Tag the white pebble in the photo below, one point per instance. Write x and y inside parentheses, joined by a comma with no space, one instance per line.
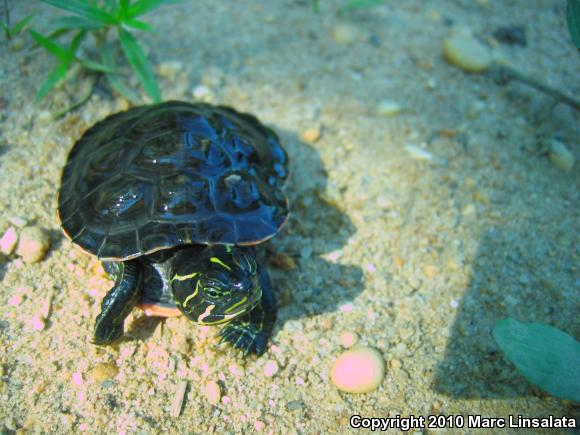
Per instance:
(33,244)
(213,393)
(359,370)
(464,51)
(418,153)
(560,156)
(270,368)
(203,93)
(345,34)
(388,108)
(38,323)
(8,241)
(16,300)
(348,339)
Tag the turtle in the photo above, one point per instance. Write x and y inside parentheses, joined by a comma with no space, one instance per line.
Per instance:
(175,200)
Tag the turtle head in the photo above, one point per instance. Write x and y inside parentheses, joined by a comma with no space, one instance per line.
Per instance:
(215,284)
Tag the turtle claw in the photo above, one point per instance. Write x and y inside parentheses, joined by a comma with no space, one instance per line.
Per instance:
(242,336)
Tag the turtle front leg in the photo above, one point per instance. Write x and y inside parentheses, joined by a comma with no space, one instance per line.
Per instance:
(119,301)
(251,332)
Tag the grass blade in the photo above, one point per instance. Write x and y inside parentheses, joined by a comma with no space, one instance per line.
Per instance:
(113,78)
(73,22)
(138,24)
(140,65)
(359,4)
(83,9)
(141,7)
(76,41)
(52,47)
(19,26)
(573,18)
(58,73)
(95,66)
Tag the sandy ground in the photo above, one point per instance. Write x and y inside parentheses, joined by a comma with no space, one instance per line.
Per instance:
(418,257)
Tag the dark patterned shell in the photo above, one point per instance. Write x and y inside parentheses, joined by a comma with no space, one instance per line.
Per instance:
(175,173)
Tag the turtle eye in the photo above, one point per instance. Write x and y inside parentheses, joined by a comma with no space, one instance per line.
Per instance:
(212,293)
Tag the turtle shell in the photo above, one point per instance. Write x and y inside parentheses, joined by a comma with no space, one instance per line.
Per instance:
(155,177)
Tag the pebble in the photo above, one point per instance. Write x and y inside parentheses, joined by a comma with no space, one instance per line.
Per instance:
(212,392)
(169,69)
(311,135)
(33,244)
(358,370)
(464,51)
(270,368)
(103,372)
(345,34)
(8,241)
(38,322)
(560,156)
(348,339)
(203,93)
(388,108)
(178,399)
(418,153)
(283,261)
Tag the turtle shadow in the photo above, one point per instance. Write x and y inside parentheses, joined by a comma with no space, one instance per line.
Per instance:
(310,285)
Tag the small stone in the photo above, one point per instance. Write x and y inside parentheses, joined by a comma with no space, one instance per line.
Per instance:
(259,425)
(560,156)
(348,339)
(103,372)
(270,368)
(38,323)
(8,241)
(388,108)
(430,270)
(77,379)
(283,261)
(345,34)
(33,244)
(212,392)
(418,153)
(468,210)
(464,51)
(16,300)
(203,93)
(358,370)
(169,69)
(17,221)
(178,399)
(311,135)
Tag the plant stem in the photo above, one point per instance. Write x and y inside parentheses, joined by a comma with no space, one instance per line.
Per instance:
(505,73)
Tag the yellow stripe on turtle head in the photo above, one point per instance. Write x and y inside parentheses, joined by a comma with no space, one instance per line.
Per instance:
(206,313)
(221,263)
(183,277)
(237,304)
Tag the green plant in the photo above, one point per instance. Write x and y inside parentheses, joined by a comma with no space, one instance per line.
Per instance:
(100,18)
(573,19)
(359,4)
(546,356)
(9,30)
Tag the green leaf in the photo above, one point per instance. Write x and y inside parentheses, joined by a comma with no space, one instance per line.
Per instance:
(58,73)
(113,78)
(141,7)
(52,47)
(139,63)
(76,41)
(83,9)
(546,356)
(72,22)
(138,24)
(95,66)
(19,26)
(360,4)
(573,18)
